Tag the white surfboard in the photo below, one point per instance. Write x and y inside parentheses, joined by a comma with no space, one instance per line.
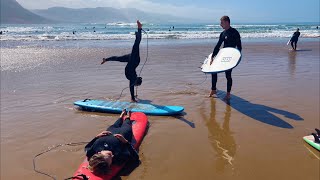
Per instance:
(289,41)
(226,59)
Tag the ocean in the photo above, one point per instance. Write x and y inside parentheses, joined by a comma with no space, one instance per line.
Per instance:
(125,31)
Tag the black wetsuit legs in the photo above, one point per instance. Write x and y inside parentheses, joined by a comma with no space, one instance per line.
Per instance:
(229,80)
(122,127)
(124,58)
(294,45)
(133,63)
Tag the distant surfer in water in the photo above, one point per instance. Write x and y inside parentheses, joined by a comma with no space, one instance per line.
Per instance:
(294,39)
(133,61)
(231,38)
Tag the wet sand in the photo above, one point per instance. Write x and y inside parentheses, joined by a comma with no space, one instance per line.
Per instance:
(258,135)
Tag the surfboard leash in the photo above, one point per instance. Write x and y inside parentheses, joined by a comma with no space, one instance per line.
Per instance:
(145,60)
(202,81)
(50,149)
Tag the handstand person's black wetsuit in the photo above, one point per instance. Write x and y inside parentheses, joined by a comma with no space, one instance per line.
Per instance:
(133,61)
(231,38)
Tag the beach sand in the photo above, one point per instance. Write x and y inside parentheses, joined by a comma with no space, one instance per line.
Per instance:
(258,135)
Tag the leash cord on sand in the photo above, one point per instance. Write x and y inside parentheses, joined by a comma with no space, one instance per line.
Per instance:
(202,81)
(50,149)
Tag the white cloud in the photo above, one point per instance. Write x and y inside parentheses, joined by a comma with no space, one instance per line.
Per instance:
(144,5)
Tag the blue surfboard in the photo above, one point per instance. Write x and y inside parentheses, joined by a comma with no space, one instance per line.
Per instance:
(118,106)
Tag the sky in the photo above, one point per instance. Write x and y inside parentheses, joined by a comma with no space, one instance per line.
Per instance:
(239,11)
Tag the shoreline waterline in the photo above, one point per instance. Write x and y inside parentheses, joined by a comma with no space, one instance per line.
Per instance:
(126,43)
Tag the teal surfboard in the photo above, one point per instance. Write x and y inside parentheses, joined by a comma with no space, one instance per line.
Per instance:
(310,140)
(118,106)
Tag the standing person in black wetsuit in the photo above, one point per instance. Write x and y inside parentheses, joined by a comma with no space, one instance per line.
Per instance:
(231,38)
(133,61)
(294,39)
(112,146)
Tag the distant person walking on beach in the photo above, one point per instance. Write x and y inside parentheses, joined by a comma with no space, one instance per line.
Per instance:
(231,38)
(294,39)
(133,61)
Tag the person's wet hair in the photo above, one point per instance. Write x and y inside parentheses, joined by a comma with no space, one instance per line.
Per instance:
(99,165)
(225,18)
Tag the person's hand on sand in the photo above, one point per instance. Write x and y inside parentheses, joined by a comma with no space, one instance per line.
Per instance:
(104,60)
(139,24)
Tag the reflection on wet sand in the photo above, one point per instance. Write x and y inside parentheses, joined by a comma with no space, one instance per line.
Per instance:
(312,151)
(221,137)
(292,62)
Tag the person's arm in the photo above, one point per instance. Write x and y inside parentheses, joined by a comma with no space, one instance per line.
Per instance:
(134,156)
(88,148)
(132,83)
(239,45)
(133,153)
(217,47)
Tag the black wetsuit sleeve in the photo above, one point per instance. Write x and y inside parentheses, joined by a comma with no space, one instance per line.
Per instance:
(88,148)
(127,153)
(239,45)
(132,82)
(217,48)
(124,58)
(133,153)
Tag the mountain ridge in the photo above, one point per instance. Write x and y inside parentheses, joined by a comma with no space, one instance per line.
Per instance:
(13,13)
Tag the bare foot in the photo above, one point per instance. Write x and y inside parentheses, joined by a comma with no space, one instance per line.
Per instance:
(123,113)
(104,60)
(213,93)
(128,115)
(227,97)
(134,100)
(139,24)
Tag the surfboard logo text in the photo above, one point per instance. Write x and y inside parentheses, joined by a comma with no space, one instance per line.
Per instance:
(226,59)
